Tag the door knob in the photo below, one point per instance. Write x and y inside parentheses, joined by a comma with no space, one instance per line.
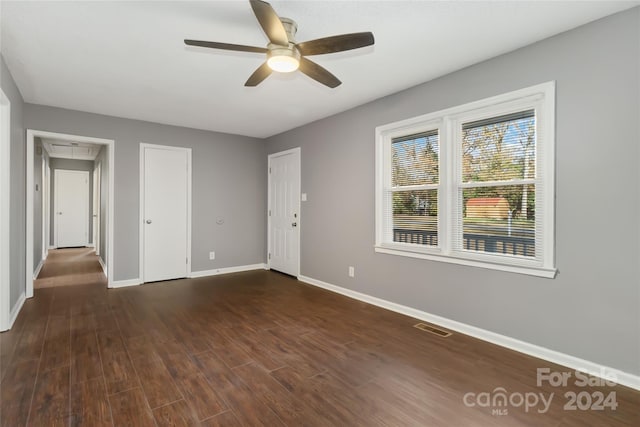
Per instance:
(294,224)
(148,221)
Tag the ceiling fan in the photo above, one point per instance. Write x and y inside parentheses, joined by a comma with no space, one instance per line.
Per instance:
(284,54)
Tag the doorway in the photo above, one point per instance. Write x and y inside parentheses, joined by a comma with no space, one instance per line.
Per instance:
(165,212)
(284,212)
(58,151)
(71,216)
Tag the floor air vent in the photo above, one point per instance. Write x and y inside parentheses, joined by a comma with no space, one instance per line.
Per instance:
(436,331)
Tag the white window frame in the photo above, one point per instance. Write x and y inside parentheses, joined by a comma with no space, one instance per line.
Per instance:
(540,98)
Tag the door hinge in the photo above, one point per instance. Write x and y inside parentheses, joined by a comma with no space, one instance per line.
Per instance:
(269,255)
(186,260)
(269,212)
(269,170)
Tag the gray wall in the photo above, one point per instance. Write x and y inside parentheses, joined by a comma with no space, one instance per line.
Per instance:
(591,310)
(72,165)
(228,182)
(18,204)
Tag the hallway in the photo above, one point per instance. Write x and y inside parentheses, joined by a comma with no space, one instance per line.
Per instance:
(70,267)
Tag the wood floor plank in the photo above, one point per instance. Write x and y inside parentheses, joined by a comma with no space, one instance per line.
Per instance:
(156,381)
(247,407)
(51,397)
(229,351)
(201,396)
(290,409)
(313,398)
(176,414)
(141,347)
(119,373)
(129,408)
(110,342)
(16,392)
(56,353)
(225,419)
(86,363)
(90,404)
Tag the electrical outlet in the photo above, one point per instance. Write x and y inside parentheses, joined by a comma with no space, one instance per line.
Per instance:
(352,271)
(212,255)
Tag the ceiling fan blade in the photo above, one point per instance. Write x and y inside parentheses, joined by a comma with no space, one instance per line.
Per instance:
(336,43)
(259,75)
(226,46)
(318,73)
(270,22)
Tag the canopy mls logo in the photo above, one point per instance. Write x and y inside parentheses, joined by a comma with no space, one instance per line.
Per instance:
(499,400)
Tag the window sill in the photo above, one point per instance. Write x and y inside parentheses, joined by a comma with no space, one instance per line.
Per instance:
(548,273)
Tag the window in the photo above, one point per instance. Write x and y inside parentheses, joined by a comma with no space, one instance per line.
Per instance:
(473,184)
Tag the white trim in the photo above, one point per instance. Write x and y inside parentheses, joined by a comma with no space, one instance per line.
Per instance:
(125,283)
(38,268)
(531,271)
(188,151)
(90,245)
(227,270)
(15,311)
(52,247)
(57,173)
(298,152)
(44,190)
(5,211)
(623,378)
(104,267)
(449,121)
(110,143)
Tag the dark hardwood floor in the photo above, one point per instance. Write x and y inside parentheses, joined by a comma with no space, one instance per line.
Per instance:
(260,348)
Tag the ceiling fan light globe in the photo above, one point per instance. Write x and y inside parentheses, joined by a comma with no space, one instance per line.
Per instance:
(283,63)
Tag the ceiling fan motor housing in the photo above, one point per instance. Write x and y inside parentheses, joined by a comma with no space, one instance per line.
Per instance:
(290,27)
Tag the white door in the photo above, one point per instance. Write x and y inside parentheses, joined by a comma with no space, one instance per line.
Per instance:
(284,211)
(71,208)
(166,200)
(97,175)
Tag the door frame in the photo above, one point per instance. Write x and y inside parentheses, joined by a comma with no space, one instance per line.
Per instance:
(56,173)
(97,197)
(46,206)
(141,227)
(5,211)
(110,147)
(296,151)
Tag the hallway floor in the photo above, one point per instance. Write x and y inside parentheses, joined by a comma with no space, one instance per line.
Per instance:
(70,267)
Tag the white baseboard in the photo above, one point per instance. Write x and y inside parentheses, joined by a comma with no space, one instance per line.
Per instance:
(15,310)
(126,283)
(38,268)
(623,378)
(194,274)
(51,247)
(91,245)
(227,270)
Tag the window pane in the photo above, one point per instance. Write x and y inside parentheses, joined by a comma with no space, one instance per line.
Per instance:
(500,219)
(415,217)
(415,159)
(499,149)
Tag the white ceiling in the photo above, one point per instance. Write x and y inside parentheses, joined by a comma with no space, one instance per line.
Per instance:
(128,59)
